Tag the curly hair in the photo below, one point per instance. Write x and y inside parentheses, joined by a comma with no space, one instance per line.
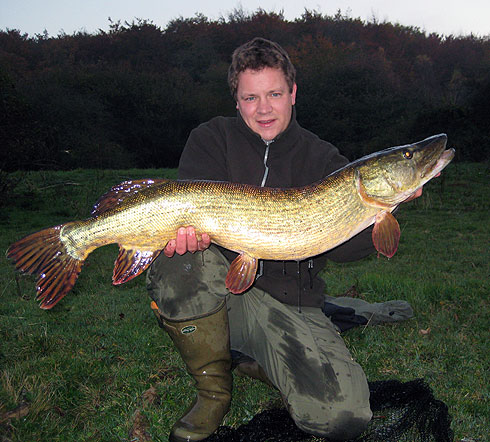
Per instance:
(258,54)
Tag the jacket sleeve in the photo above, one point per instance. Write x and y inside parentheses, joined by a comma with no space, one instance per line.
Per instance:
(204,154)
(356,248)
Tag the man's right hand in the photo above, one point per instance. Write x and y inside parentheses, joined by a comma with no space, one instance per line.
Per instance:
(186,241)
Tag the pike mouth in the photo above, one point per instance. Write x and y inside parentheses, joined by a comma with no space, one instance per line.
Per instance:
(444,159)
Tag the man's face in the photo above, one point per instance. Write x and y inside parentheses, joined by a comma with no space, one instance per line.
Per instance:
(264,101)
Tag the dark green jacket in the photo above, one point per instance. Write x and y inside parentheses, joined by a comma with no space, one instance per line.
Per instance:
(226,149)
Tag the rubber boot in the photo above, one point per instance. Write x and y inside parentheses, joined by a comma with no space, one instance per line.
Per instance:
(253,370)
(204,345)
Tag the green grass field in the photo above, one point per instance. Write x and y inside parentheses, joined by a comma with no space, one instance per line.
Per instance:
(98,368)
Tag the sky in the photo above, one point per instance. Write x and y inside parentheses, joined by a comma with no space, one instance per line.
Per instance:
(445,17)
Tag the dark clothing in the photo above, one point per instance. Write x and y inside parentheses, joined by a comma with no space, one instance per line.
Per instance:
(226,149)
(299,350)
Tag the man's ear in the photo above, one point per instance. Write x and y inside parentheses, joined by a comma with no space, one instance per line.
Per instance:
(293,94)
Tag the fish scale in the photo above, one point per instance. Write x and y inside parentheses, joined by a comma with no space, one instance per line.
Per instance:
(257,222)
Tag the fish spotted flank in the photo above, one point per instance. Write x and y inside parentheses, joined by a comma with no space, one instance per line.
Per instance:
(257,222)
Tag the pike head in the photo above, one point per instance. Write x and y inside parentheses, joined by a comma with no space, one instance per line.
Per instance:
(388,177)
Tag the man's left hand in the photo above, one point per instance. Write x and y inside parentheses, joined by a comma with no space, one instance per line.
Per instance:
(418,193)
(413,196)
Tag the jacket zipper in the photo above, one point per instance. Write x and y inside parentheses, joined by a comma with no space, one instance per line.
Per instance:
(266,157)
(262,184)
(261,263)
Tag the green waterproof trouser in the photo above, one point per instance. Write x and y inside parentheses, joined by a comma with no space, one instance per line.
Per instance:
(302,353)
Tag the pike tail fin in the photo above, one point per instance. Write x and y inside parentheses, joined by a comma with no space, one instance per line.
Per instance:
(43,254)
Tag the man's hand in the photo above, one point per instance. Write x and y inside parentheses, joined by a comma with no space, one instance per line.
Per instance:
(418,193)
(415,195)
(186,241)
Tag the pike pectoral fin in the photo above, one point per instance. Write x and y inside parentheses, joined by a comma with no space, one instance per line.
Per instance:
(130,263)
(386,234)
(241,274)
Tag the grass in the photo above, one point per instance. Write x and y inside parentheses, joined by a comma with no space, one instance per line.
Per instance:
(80,371)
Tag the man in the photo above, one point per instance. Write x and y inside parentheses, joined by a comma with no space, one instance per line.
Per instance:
(278,325)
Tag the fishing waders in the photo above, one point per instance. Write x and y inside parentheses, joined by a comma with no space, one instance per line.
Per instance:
(204,345)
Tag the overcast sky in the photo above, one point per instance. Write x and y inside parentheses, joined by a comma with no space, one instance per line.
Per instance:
(456,17)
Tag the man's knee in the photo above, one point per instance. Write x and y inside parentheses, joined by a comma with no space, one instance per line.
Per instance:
(342,416)
(188,285)
(333,423)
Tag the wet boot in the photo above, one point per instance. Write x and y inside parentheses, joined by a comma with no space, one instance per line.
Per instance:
(244,366)
(204,345)
(253,370)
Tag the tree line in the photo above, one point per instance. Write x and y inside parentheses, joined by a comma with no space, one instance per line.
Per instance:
(129,96)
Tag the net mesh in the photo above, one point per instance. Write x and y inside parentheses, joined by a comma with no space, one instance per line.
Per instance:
(402,412)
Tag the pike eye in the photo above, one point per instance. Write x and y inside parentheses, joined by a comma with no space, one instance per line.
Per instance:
(407,154)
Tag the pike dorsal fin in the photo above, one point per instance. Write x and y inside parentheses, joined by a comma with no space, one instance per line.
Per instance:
(386,234)
(130,263)
(241,274)
(120,192)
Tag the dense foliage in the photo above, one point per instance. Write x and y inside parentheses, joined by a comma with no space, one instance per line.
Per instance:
(129,96)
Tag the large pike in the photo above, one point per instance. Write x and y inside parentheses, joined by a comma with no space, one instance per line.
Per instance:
(258,223)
